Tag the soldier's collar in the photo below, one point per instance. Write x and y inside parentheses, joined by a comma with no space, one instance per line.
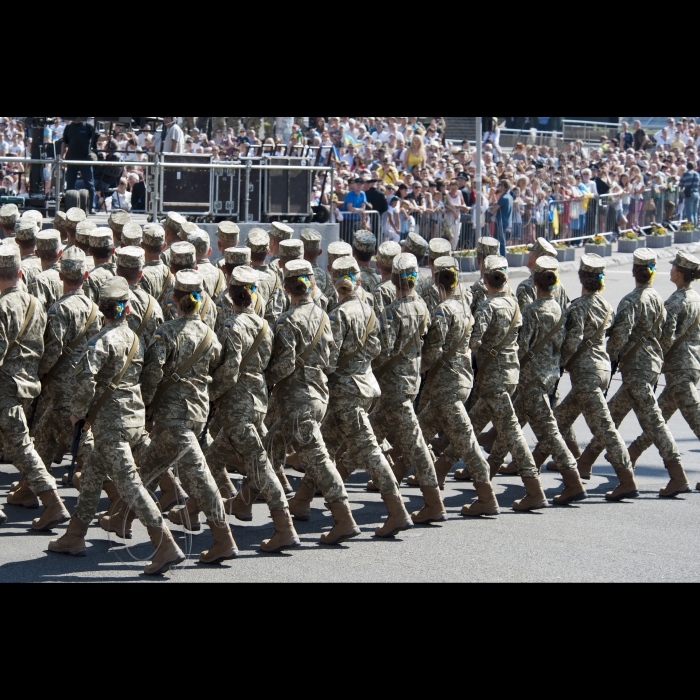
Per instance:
(10,290)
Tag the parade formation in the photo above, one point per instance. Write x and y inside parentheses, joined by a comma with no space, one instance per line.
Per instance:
(163,373)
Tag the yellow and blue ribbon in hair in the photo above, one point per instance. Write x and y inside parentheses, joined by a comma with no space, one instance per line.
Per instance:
(556,283)
(349,276)
(412,275)
(305,280)
(652,269)
(121,305)
(196,297)
(601,277)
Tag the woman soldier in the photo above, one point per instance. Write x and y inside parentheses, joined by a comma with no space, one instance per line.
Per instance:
(540,342)
(112,367)
(495,343)
(680,342)
(635,346)
(301,357)
(175,382)
(240,396)
(584,356)
(447,363)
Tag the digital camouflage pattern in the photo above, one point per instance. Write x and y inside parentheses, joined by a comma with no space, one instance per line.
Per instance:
(31,269)
(214,277)
(155,279)
(98,277)
(323,281)
(370,280)
(138,301)
(47,287)
(207,314)
(527,294)
(682,310)
(384,295)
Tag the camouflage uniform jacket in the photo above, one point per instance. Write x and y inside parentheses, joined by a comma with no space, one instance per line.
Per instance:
(527,294)
(165,255)
(278,301)
(214,277)
(682,310)
(479,295)
(449,323)
(323,281)
(423,285)
(105,357)
(540,318)
(31,269)
(155,276)
(491,323)
(139,305)
(400,327)
(635,319)
(370,280)
(224,310)
(67,320)
(98,277)
(208,313)
(384,295)
(47,287)
(586,316)
(240,332)
(349,324)
(295,331)
(19,364)
(174,342)
(267,285)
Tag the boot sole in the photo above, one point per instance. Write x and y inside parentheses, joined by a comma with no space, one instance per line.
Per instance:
(574,499)
(78,554)
(342,539)
(396,531)
(624,497)
(481,515)
(166,567)
(27,505)
(283,548)
(677,493)
(220,560)
(443,519)
(52,525)
(122,536)
(531,509)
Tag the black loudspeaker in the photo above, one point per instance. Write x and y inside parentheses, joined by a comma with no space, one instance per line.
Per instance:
(186,190)
(288,191)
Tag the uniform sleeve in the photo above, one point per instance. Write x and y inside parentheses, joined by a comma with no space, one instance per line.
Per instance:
(621,332)
(389,332)
(434,344)
(339,328)
(670,327)
(284,355)
(482,321)
(528,333)
(154,362)
(54,339)
(86,372)
(226,376)
(4,341)
(525,295)
(575,328)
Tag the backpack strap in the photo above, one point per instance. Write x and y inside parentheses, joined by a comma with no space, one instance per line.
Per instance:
(642,341)
(542,344)
(590,343)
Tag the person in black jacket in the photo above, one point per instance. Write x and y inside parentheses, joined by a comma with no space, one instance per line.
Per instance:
(375,197)
(138,192)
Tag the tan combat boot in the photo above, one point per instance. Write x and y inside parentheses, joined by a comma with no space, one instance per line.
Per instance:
(285,537)
(187,516)
(60,453)
(293,462)
(73,541)
(241,507)
(463,475)
(443,469)
(495,466)
(573,448)
(23,497)
(398,520)
(400,469)
(345,526)
(513,469)
(635,453)
(171,493)
(344,473)
(486,503)
(585,463)
(167,555)
(300,505)
(488,440)
(224,548)
(286,486)
(55,512)
(121,523)
(679,481)
(226,487)
(535,498)
(573,489)
(434,509)
(627,490)
(110,488)
(440,444)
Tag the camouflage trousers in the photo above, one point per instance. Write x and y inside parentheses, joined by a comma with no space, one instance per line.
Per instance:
(19,447)
(347,421)
(532,405)
(54,427)
(394,415)
(113,456)
(586,397)
(240,432)
(176,444)
(299,427)
(496,406)
(637,394)
(680,394)
(446,412)
(274,412)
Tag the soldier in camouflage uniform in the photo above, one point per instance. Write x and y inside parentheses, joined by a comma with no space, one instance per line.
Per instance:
(527,292)
(228,235)
(180,408)
(543,319)
(82,241)
(132,236)
(680,343)
(102,251)
(25,237)
(277,303)
(635,345)
(337,250)
(402,327)
(214,276)
(73,218)
(385,292)
(240,395)
(156,274)
(118,219)
(312,240)
(118,427)
(21,348)
(439,248)
(9,216)
(171,226)
(234,258)
(301,357)
(364,248)
(583,355)
(418,246)
(47,286)
(447,363)
(269,284)
(353,389)
(59,224)
(494,341)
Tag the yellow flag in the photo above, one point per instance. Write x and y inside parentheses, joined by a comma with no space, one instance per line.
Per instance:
(555,222)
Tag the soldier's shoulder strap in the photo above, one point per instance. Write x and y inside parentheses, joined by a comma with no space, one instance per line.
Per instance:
(221,284)
(254,348)
(542,344)
(147,316)
(165,286)
(495,352)
(588,344)
(27,318)
(345,361)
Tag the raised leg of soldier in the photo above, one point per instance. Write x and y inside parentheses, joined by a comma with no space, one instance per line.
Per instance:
(499,449)
(479,418)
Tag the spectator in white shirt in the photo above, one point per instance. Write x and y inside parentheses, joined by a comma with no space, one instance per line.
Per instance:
(121,199)
(174,136)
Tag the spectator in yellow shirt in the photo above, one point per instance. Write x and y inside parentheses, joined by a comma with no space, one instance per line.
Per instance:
(388,172)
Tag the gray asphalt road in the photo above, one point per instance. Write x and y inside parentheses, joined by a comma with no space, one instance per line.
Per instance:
(646,540)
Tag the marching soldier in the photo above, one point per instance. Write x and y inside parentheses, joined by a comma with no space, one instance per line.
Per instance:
(234,258)
(312,240)
(527,290)
(214,276)
(102,251)
(278,233)
(47,286)
(171,227)
(9,216)
(364,248)
(228,235)
(439,248)
(59,224)
(336,251)
(385,292)
(418,246)
(278,301)
(82,241)
(118,219)
(132,236)
(25,238)
(269,284)
(156,274)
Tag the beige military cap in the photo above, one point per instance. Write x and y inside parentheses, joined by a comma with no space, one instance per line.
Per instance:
(153,234)
(237,256)
(686,261)
(488,246)
(189,281)
(228,232)
(244,276)
(132,235)
(83,231)
(35,216)
(9,216)
(417,245)
(311,238)
(495,262)
(73,217)
(10,256)
(345,266)
(118,220)
(186,229)
(547,264)
(258,240)
(365,242)
(182,254)
(644,256)
(281,232)
(593,264)
(115,289)
(25,230)
(298,268)
(60,220)
(49,240)
(544,247)
(387,253)
(200,240)
(291,249)
(131,257)
(173,222)
(405,264)
(73,266)
(440,248)
(446,263)
(101,238)
(338,250)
